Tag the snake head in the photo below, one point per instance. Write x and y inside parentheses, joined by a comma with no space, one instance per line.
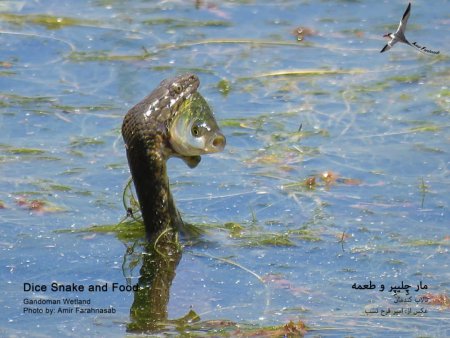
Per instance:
(180,88)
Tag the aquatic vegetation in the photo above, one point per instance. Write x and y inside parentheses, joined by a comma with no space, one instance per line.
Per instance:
(426,242)
(426,128)
(435,150)
(127,231)
(46,185)
(290,329)
(7,73)
(107,56)
(224,87)
(72,171)
(411,78)
(254,42)
(81,142)
(308,72)
(173,23)
(266,239)
(236,230)
(15,154)
(405,97)
(306,234)
(46,20)
(191,323)
(379,86)
(444,93)
(423,190)
(23,151)
(8,100)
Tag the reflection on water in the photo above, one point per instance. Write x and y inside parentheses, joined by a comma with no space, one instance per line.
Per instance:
(149,312)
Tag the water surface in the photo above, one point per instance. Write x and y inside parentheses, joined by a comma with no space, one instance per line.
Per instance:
(375,134)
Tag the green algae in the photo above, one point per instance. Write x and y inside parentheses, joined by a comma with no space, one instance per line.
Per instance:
(17,153)
(426,128)
(7,73)
(427,242)
(126,231)
(81,142)
(379,86)
(267,239)
(8,100)
(59,187)
(412,78)
(186,23)
(224,87)
(24,151)
(50,22)
(424,148)
(108,56)
(73,171)
(233,123)
(306,72)
(306,235)
(445,92)
(235,229)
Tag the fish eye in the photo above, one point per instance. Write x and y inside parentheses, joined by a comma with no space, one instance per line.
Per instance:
(197,130)
(177,88)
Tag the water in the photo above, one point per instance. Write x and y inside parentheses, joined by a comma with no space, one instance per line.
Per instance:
(377,129)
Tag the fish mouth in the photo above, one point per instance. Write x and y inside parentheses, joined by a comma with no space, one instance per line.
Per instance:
(216,143)
(205,145)
(219,142)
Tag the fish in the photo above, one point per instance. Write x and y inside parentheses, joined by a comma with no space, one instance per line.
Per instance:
(194,131)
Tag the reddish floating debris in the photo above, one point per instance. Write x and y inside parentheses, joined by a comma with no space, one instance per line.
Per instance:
(329,177)
(31,205)
(351,181)
(439,299)
(21,201)
(296,329)
(301,32)
(5,64)
(310,182)
(37,206)
(343,236)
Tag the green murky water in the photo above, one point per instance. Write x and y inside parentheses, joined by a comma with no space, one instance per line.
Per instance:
(335,175)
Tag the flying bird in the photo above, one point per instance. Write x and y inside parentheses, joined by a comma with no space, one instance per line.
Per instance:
(399,35)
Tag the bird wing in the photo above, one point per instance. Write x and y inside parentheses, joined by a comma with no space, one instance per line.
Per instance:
(404,20)
(385,48)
